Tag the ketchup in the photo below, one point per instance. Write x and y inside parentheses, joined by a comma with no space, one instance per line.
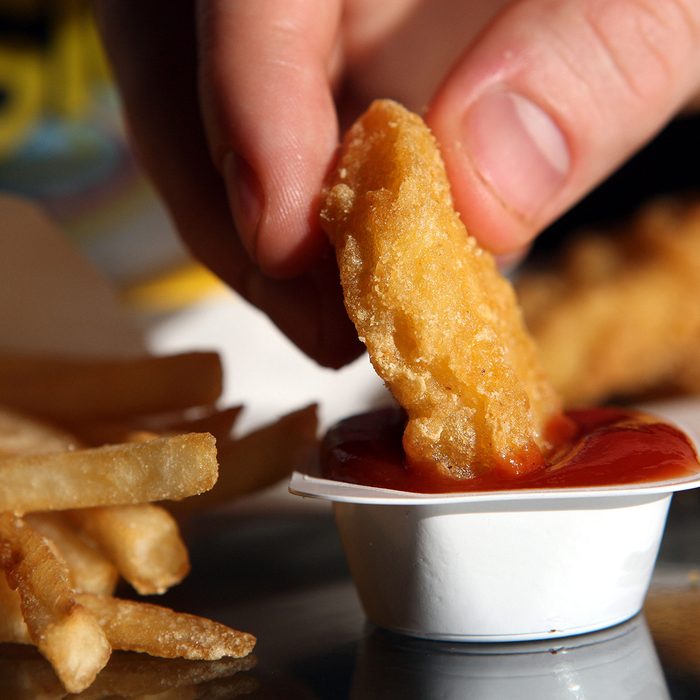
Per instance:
(608,446)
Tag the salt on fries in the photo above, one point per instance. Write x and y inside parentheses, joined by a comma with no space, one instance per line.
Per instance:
(90,570)
(161,469)
(128,625)
(142,540)
(441,325)
(73,519)
(135,626)
(67,634)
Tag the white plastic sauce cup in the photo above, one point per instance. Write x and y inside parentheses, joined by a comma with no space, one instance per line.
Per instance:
(503,565)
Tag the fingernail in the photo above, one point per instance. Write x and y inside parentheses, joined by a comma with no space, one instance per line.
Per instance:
(518,150)
(245,199)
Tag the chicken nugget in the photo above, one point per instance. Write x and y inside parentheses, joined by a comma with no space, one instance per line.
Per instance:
(442,326)
(617,316)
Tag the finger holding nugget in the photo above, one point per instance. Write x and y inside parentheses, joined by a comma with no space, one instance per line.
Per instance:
(551,98)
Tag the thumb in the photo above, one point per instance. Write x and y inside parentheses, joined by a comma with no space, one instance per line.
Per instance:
(551,98)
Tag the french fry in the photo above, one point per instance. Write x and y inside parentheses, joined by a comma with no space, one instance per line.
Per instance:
(140,436)
(159,631)
(20,434)
(65,632)
(218,422)
(66,389)
(12,625)
(259,459)
(90,570)
(90,516)
(142,540)
(161,469)
(267,455)
(197,638)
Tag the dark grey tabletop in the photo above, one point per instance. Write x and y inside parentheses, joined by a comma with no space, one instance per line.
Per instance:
(273,566)
(279,572)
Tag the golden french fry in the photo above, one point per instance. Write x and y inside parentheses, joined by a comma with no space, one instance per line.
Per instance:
(12,625)
(142,540)
(69,389)
(65,632)
(218,422)
(441,325)
(159,631)
(56,568)
(90,570)
(161,469)
(259,459)
(140,436)
(20,434)
(99,433)
(265,456)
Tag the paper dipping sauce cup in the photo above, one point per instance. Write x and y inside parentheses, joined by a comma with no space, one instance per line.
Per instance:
(501,565)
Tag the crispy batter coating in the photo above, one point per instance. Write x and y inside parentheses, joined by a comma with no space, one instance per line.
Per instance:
(441,325)
(619,315)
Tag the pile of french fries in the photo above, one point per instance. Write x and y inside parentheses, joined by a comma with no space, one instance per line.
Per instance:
(96,458)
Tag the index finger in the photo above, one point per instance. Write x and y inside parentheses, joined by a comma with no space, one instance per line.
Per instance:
(264,77)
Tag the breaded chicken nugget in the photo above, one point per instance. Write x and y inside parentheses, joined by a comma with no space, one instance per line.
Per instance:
(441,325)
(619,315)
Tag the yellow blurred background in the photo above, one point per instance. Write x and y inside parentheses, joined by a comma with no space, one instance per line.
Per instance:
(62,145)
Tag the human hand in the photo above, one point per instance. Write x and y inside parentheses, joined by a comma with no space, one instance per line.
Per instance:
(236,118)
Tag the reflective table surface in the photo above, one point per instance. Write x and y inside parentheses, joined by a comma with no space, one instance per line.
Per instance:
(274,567)
(280,573)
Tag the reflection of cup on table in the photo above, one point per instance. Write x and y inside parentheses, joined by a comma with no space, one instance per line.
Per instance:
(619,663)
